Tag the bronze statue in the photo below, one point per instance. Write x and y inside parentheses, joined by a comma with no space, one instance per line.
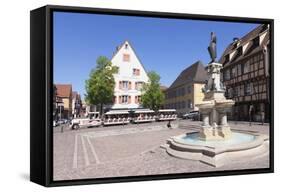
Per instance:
(213,47)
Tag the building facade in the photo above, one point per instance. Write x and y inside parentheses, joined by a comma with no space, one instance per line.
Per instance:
(76,104)
(130,78)
(186,91)
(55,99)
(64,93)
(246,63)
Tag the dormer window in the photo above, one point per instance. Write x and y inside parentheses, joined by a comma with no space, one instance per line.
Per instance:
(226,58)
(264,27)
(126,46)
(256,41)
(236,42)
(239,51)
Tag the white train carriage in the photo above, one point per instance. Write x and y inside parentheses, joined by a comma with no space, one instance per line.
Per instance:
(117,117)
(93,120)
(166,115)
(143,115)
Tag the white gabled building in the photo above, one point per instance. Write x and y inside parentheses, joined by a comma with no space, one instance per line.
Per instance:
(129,79)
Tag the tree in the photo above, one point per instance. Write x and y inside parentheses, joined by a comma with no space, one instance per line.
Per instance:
(152,96)
(100,85)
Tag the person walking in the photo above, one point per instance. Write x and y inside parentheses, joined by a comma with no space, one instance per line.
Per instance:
(262,117)
(236,115)
(169,124)
(251,108)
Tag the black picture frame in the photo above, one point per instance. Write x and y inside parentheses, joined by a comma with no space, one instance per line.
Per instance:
(41,89)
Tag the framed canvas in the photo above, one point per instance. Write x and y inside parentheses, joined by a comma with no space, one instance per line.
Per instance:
(122,95)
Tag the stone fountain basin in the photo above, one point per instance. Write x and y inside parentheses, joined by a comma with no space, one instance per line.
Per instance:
(206,105)
(220,154)
(227,103)
(224,103)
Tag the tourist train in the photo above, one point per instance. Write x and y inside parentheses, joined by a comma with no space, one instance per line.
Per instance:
(120,117)
(123,117)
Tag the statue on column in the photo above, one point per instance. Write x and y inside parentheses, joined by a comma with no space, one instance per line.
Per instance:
(213,47)
(214,105)
(214,83)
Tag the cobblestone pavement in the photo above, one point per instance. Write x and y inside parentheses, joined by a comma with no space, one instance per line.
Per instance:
(130,150)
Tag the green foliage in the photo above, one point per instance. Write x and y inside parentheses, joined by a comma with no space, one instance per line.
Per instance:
(100,85)
(152,96)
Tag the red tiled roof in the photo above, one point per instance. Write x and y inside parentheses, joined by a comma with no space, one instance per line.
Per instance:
(64,90)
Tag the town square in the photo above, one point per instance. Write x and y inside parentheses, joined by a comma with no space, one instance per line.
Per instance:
(134,150)
(114,115)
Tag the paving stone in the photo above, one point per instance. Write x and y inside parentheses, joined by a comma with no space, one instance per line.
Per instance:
(133,150)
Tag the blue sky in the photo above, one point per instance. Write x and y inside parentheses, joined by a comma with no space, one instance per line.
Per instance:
(166,46)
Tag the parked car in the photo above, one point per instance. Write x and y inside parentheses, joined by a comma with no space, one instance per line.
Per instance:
(194,115)
(84,122)
(62,121)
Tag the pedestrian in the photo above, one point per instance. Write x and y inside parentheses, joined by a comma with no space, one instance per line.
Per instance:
(169,124)
(250,114)
(61,129)
(262,117)
(236,115)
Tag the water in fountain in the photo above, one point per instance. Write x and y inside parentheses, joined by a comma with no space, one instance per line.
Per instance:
(237,138)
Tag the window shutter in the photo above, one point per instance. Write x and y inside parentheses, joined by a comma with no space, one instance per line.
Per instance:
(136,99)
(129,99)
(120,84)
(130,85)
(120,99)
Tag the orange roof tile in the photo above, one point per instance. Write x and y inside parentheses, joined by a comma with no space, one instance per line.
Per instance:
(64,90)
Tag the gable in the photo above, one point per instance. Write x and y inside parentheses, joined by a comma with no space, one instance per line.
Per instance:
(127,61)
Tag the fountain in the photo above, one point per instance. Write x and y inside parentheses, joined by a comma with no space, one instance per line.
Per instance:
(216,143)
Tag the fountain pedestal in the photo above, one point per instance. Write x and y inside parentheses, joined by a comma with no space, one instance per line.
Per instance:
(224,129)
(214,107)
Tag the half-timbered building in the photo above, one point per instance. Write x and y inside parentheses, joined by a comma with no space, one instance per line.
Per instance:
(246,63)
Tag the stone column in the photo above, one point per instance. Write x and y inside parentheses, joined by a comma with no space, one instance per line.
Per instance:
(224,129)
(223,119)
(205,116)
(214,117)
(206,131)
